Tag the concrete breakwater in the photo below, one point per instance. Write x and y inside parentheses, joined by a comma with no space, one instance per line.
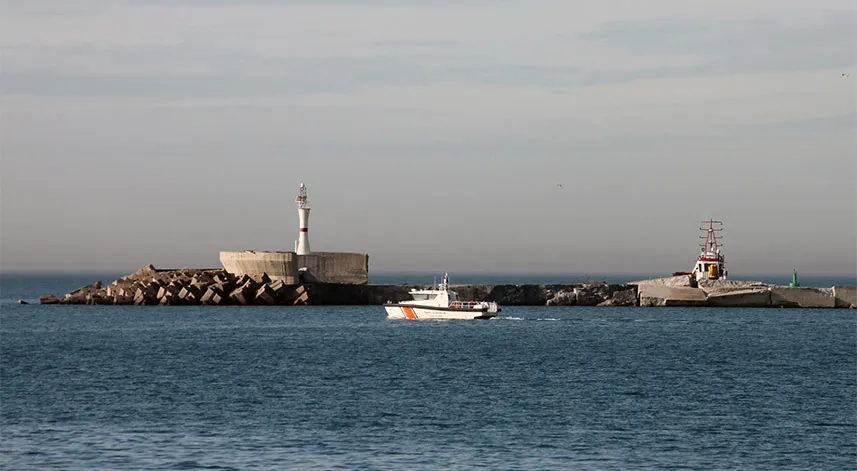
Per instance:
(188,286)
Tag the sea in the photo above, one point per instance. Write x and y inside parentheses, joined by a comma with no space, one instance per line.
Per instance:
(343,388)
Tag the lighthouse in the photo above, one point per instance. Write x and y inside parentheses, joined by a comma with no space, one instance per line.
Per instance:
(302,244)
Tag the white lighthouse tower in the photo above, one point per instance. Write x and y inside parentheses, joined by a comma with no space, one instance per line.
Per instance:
(302,244)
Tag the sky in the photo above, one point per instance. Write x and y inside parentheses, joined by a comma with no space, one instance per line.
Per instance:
(432,135)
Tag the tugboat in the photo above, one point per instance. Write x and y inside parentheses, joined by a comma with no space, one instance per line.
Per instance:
(711,264)
(440,303)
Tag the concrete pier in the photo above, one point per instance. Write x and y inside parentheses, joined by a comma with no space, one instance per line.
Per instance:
(291,268)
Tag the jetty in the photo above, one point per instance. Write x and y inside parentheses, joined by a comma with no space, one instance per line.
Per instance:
(150,286)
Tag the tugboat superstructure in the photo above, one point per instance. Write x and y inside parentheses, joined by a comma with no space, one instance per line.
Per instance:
(711,264)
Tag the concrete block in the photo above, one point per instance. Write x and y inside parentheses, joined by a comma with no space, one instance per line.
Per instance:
(242,295)
(98,298)
(123,299)
(845,296)
(662,295)
(167,295)
(261,279)
(302,298)
(225,287)
(213,295)
(740,298)
(789,296)
(189,294)
(223,278)
(147,290)
(48,299)
(265,295)
(201,279)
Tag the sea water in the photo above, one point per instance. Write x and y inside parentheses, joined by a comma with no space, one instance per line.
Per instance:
(125,387)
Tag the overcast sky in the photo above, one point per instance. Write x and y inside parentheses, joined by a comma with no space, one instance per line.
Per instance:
(430,134)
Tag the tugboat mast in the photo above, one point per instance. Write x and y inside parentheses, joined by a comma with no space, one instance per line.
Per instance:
(711,245)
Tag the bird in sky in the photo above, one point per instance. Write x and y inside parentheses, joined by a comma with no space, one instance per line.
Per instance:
(559,185)
(845,75)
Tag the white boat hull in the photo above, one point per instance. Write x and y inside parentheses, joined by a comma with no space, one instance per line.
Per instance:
(414,312)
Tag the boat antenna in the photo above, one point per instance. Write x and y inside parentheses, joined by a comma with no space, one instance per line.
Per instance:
(712,239)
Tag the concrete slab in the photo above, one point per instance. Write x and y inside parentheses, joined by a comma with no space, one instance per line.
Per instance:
(740,298)
(845,296)
(48,299)
(661,295)
(680,281)
(792,296)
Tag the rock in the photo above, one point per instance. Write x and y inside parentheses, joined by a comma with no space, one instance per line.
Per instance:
(589,296)
(845,296)
(48,299)
(21,301)
(518,295)
(563,298)
(625,297)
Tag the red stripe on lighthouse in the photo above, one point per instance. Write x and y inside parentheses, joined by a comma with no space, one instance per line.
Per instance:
(304,229)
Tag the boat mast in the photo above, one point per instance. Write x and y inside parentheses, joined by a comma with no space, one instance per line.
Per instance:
(711,244)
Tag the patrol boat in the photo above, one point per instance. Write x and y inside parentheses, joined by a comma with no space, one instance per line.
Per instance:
(440,303)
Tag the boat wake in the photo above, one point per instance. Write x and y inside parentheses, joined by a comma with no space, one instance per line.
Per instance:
(513,318)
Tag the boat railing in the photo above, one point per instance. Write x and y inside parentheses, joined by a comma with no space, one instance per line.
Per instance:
(466,304)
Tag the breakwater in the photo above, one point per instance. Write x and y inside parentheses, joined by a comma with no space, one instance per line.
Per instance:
(189,286)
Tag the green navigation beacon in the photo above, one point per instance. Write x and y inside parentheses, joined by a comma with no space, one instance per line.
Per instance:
(794,279)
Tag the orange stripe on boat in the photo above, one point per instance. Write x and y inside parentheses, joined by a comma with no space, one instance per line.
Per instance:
(409,312)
